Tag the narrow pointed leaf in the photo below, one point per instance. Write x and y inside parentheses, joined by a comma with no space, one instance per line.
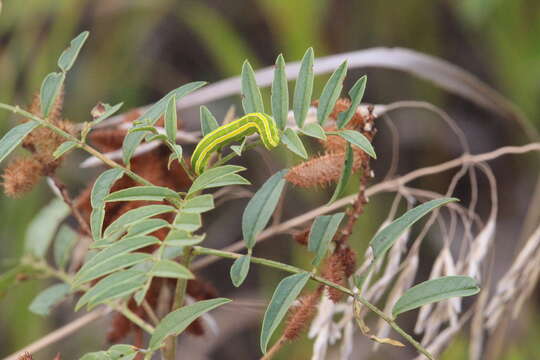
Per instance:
(68,57)
(321,234)
(356,94)
(148,193)
(100,190)
(188,221)
(50,89)
(208,121)
(292,141)
(136,215)
(303,88)
(331,92)
(228,180)
(132,140)
(358,139)
(112,287)
(48,298)
(435,290)
(110,255)
(199,204)
(251,95)
(280,94)
(171,120)
(345,174)
(314,130)
(240,269)
(177,321)
(146,227)
(261,206)
(170,269)
(115,264)
(14,136)
(211,177)
(64,148)
(181,238)
(103,186)
(286,292)
(384,239)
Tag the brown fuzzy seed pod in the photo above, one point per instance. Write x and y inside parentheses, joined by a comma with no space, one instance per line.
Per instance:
(21,175)
(301,315)
(322,170)
(334,272)
(347,257)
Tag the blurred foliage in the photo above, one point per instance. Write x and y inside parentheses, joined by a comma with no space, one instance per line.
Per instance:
(139,49)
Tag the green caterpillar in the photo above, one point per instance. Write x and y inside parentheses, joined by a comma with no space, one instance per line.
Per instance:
(234,131)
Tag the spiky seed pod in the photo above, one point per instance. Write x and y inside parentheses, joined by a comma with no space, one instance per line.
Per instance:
(300,316)
(347,257)
(322,170)
(21,175)
(334,271)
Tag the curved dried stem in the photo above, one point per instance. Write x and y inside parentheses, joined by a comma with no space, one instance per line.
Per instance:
(389,185)
(61,333)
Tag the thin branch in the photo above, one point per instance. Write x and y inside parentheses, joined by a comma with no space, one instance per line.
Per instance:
(69,202)
(61,333)
(375,189)
(440,72)
(80,144)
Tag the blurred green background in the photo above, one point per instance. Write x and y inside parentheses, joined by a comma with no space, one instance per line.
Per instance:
(138,50)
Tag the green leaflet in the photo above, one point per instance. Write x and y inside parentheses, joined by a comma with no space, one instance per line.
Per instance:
(321,234)
(177,321)
(435,290)
(240,269)
(384,239)
(251,95)
(303,88)
(280,94)
(14,136)
(286,292)
(330,93)
(261,206)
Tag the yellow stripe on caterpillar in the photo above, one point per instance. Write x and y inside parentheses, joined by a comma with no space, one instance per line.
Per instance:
(234,131)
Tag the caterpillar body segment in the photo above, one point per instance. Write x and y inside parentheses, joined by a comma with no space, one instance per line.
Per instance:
(236,130)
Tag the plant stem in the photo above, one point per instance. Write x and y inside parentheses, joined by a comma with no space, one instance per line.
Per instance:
(80,144)
(198,250)
(169,351)
(233,154)
(66,278)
